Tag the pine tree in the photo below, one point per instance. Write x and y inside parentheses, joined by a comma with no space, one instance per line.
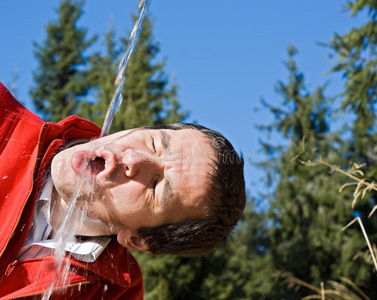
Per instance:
(61,80)
(355,55)
(102,73)
(149,98)
(242,271)
(307,213)
(356,60)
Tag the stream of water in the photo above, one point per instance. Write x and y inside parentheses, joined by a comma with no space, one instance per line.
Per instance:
(74,217)
(116,101)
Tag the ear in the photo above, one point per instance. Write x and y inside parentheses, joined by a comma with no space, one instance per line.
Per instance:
(130,239)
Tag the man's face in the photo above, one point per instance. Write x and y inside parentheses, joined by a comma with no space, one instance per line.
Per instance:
(135,178)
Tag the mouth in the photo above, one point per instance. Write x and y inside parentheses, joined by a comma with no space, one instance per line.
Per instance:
(96,165)
(99,164)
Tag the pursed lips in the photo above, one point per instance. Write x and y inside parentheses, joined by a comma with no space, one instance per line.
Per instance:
(96,164)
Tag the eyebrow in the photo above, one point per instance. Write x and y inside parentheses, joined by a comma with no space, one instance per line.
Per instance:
(167,193)
(165,140)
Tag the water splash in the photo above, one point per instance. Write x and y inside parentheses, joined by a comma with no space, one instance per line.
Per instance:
(66,231)
(116,101)
(64,235)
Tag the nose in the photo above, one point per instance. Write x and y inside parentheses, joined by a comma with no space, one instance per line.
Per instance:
(138,162)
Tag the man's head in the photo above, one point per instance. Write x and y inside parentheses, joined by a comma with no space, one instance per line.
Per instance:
(172,189)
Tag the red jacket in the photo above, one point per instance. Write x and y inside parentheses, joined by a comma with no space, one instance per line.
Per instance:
(27,145)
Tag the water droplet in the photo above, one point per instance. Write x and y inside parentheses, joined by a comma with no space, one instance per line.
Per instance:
(6,176)
(112,228)
(105,288)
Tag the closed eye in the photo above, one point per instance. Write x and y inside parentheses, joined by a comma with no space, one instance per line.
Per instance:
(154,187)
(153,144)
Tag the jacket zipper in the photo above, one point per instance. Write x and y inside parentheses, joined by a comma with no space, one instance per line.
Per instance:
(31,189)
(10,268)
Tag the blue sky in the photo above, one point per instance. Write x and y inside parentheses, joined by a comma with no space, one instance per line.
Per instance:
(224,55)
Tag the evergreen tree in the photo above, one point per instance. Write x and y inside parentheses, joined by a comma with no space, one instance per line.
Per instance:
(307,213)
(61,79)
(149,98)
(356,53)
(103,72)
(242,271)
(356,59)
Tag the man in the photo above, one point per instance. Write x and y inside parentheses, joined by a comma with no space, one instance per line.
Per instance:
(175,189)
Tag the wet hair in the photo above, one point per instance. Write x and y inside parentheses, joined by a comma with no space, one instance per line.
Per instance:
(223,202)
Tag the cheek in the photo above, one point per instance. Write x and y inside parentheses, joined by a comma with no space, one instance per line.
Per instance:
(63,177)
(130,208)
(128,196)
(59,165)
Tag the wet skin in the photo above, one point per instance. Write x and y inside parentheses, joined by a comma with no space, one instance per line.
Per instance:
(132,179)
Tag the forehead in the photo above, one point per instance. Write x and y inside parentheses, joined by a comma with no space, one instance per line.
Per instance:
(188,147)
(189,163)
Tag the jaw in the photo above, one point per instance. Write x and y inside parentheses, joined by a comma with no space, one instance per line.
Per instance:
(95,227)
